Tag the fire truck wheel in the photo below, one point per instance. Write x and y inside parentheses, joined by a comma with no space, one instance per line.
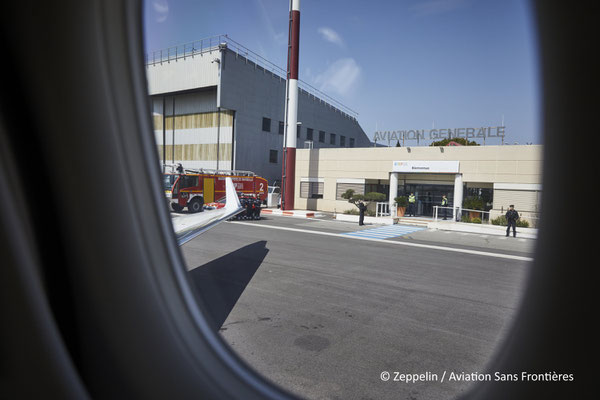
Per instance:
(196,205)
(176,207)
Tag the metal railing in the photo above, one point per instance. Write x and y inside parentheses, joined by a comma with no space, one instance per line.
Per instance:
(225,172)
(457,214)
(383,209)
(221,42)
(190,49)
(452,213)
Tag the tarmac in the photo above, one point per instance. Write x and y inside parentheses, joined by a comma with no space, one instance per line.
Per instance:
(326,308)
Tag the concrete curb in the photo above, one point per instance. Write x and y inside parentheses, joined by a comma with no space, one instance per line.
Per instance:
(497,230)
(292,213)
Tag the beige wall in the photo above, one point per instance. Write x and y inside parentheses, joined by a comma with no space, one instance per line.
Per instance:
(480,166)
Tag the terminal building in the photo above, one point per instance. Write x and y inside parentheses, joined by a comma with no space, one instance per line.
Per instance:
(217,105)
(500,175)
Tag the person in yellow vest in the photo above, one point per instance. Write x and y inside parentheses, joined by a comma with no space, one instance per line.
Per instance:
(444,205)
(412,200)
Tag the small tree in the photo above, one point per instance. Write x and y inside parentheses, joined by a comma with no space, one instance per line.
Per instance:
(473,203)
(366,198)
(401,204)
(374,196)
(463,141)
(349,195)
(401,201)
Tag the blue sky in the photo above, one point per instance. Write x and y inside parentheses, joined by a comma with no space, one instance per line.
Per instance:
(405,64)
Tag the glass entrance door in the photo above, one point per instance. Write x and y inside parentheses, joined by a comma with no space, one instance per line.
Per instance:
(428,196)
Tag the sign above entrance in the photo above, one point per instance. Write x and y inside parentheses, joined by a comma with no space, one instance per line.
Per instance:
(443,167)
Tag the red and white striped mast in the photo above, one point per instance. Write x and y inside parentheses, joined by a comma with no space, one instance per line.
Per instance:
(289,150)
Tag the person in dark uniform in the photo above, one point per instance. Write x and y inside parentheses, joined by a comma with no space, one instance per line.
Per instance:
(361,212)
(256,208)
(511,220)
(244,205)
(179,168)
(444,205)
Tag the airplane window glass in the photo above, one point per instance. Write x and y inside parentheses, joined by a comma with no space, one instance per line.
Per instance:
(392,268)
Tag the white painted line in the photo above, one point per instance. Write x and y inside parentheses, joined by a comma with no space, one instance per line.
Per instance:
(423,246)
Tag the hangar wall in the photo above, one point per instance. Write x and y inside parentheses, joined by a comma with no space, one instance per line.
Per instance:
(248,96)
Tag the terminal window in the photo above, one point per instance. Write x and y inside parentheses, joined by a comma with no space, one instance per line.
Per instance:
(266,125)
(322,136)
(342,141)
(311,190)
(273,156)
(309,134)
(359,188)
(332,138)
(351,142)
(281,127)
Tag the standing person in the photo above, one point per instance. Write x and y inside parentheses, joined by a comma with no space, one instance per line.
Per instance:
(444,205)
(411,204)
(361,212)
(179,168)
(511,218)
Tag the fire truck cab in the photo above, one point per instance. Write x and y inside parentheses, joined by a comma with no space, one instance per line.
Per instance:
(194,188)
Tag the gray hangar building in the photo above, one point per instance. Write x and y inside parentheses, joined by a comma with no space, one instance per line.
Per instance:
(218,105)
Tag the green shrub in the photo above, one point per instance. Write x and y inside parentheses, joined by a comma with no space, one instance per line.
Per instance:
(473,203)
(356,198)
(401,201)
(348,194)
(501,220)
(354,211)
(374,196)
(466,218)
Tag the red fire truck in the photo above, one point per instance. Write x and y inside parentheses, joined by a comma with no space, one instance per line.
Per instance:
(194,188)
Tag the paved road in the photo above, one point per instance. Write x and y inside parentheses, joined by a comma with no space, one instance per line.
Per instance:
(323,313)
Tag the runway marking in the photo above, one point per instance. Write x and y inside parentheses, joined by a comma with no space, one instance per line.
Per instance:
(393,242)
(385,232)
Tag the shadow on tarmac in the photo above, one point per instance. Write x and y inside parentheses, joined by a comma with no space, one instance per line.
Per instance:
(221,282)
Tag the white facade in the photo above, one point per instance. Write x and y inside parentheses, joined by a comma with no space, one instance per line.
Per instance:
(509,174)
(179,75)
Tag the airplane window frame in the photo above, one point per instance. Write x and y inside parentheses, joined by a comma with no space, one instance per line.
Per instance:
(69,292)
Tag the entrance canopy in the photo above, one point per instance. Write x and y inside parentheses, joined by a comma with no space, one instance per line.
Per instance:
(412,166)
(427,167)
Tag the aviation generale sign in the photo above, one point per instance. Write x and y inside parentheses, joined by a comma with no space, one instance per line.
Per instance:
(444,133)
